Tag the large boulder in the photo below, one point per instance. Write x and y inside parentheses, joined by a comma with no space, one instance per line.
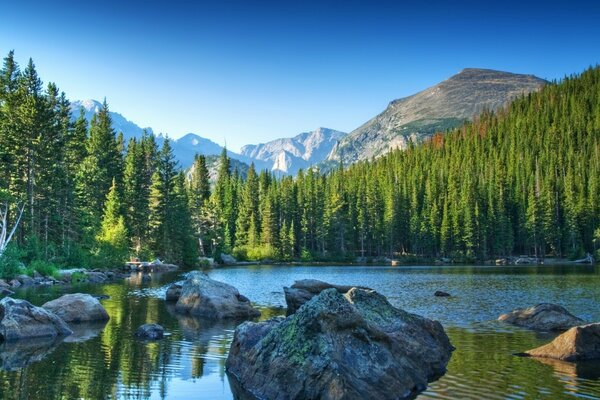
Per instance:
(339,346)
(204,297)
(77,307)
(19,319)
(542,317)
(304,290)
(576,344)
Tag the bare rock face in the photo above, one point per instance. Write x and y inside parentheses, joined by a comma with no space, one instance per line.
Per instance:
(304,290)
(19,319)
(338,346)
(204,297)
(542,317)
(576,344)
(77,307)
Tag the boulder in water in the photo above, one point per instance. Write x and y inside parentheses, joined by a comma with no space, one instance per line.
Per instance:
(304,290)
(204,297)
(339,346)
(77,307)
(577,344)
(173,292)
(19,319)
(542,317)
(150,332)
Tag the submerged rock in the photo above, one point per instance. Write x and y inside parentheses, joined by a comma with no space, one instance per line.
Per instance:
(339,346)
(173,292)
(304,290)
(20,354)
(576,344)
(77,307)
(439,293)
(204,297)
(150,332)
(542,317)
(19,319)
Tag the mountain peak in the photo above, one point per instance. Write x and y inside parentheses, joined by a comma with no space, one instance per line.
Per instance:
(436,109)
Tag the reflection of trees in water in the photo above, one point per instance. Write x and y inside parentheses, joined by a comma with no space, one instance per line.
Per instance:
(484,365)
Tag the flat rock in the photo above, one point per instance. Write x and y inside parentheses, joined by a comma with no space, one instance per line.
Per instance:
(204,297)
(77,307)
(304,290)
(577,344)
(150,332)
(22,320)
(338,346)
(542,317)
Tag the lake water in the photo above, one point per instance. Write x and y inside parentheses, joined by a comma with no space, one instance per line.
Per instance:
(105,361)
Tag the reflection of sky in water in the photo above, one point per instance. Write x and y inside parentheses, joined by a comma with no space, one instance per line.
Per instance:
(189,363)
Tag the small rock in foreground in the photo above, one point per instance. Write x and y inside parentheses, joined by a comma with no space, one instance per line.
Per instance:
(542,317)
(150,332)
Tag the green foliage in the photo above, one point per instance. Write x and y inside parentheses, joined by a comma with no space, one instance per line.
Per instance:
(10,263)
(112,241)
(44,268)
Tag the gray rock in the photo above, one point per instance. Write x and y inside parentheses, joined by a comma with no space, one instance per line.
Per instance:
(15,283)
(339,346)
(439,293)
(304,290)
(6,292)
(577,344)
(22,320)
(25,280)
(227,259)
(4,284)
(96,277)
(204,297)
(173,292)
(150,332)
(542,317)
(77,307)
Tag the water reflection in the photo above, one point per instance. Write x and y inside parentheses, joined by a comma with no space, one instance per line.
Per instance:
(100,362)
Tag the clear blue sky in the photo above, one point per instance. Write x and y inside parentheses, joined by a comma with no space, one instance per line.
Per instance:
(251,71)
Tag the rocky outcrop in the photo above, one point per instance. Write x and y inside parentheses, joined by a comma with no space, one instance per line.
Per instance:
(304,290)
(77,307)
(19,319)
(576,344)
(204,297)
(173,292)
(339,346)
(150,332)
(542,317)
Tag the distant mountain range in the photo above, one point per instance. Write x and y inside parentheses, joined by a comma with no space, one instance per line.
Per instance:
(286,156)
(436,109)
(289,155)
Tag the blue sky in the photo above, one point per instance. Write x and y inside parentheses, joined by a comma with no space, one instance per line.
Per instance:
(251,71)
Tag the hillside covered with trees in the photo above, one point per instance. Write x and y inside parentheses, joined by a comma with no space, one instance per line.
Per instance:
(525,180)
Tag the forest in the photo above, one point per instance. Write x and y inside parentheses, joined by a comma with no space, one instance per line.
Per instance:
(524,180)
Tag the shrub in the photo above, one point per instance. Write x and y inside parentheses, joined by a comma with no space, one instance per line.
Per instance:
(44,268)
(10,264)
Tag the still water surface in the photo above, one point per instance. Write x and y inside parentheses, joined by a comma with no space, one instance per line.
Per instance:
(105,361)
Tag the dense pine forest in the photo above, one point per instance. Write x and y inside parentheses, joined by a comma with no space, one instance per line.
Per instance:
(525,180)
